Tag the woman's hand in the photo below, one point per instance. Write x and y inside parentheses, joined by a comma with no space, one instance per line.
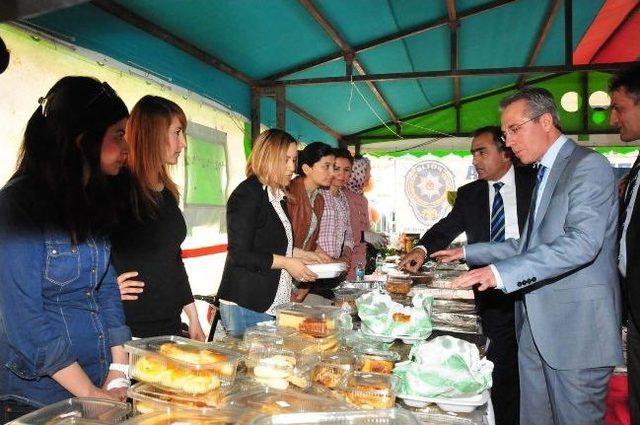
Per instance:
(298,270)
(119,393)
(129,288)
(195,330)
(323,256)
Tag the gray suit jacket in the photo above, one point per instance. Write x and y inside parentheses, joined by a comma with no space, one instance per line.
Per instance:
(568,274)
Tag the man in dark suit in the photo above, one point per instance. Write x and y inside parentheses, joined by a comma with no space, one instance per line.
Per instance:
(625,116)
(492,208)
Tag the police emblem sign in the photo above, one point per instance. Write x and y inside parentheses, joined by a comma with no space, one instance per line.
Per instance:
(426,186)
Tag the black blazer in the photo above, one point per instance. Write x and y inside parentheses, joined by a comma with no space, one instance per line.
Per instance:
(255,233)
(470,212)
(632,280)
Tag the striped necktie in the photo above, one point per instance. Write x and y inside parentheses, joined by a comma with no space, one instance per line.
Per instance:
(497,215)
(534,202)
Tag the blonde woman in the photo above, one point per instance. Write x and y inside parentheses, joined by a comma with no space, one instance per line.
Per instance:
(262,261)
(146,246)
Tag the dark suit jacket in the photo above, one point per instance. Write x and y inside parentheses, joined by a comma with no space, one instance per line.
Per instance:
(470,212)
(255,233)
(632,280)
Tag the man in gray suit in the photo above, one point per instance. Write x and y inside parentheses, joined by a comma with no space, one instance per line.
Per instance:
(565,266)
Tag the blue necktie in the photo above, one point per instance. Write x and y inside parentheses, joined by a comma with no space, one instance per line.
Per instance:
(497,215)
(534,201)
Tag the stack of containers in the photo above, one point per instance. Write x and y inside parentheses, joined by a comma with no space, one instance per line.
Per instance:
(277,357)
(176,374)
(316,324)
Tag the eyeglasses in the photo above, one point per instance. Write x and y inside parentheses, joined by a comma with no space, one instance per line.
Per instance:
(106,90)
(512,130)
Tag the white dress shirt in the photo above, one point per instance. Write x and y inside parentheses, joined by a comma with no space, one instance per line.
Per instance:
(508,192)
(622,256)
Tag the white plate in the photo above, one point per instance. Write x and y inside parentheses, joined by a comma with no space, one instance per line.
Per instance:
(327,270)
(450,404)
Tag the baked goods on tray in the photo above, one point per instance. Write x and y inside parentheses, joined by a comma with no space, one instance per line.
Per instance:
(181,365)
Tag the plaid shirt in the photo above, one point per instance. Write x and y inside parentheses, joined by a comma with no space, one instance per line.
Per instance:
(335,226)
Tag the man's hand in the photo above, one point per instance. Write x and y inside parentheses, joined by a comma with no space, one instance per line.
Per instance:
(448,255)
(413,260)
(483,276)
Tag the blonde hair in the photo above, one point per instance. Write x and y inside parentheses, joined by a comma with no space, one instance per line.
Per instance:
(266,160)
(147,136)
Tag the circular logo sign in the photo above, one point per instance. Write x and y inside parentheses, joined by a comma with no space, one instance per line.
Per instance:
(426,185)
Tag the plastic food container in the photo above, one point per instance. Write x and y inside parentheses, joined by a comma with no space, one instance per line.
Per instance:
(270,401)
(320,345)
(331,371)
(370,390)
(318,321)
(422,278)
(360,417)
(181,365)
(257,336)
(398,286)
(219,417)
(377,362)
(345,298)
(78,411)
(147,398)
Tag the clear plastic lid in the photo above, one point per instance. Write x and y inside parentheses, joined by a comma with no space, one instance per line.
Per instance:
(331,371)
(219,417)
(182,365)
(370,390)
(318,321)
(373,360)
(270,401)
(398,286)
(360,417)
(315,344)
(78,410)
(147,398)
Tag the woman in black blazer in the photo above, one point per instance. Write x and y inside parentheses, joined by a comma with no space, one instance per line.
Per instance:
(261,260)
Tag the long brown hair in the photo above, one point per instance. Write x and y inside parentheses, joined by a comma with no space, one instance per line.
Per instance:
(147,136)
(266,158)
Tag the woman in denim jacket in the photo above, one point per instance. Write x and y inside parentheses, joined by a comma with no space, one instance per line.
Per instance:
(61,318)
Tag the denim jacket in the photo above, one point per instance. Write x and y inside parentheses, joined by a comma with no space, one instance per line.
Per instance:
(59,303)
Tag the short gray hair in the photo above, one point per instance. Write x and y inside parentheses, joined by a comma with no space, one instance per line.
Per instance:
(539,101)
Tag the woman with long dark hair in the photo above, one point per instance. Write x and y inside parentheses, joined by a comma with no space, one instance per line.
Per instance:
(61,318)
(146,245)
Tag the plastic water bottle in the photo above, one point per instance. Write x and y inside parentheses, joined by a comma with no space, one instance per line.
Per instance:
(359,272)
(379,262)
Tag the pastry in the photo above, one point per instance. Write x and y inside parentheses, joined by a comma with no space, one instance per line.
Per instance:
(374,365)
(328,376)
(401,318)
(402,287)
(149,369)
(183,353)
(308,325)
(323,344)
(299,381)
(314,327)
(277,383)
(277,366)
(374,395)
